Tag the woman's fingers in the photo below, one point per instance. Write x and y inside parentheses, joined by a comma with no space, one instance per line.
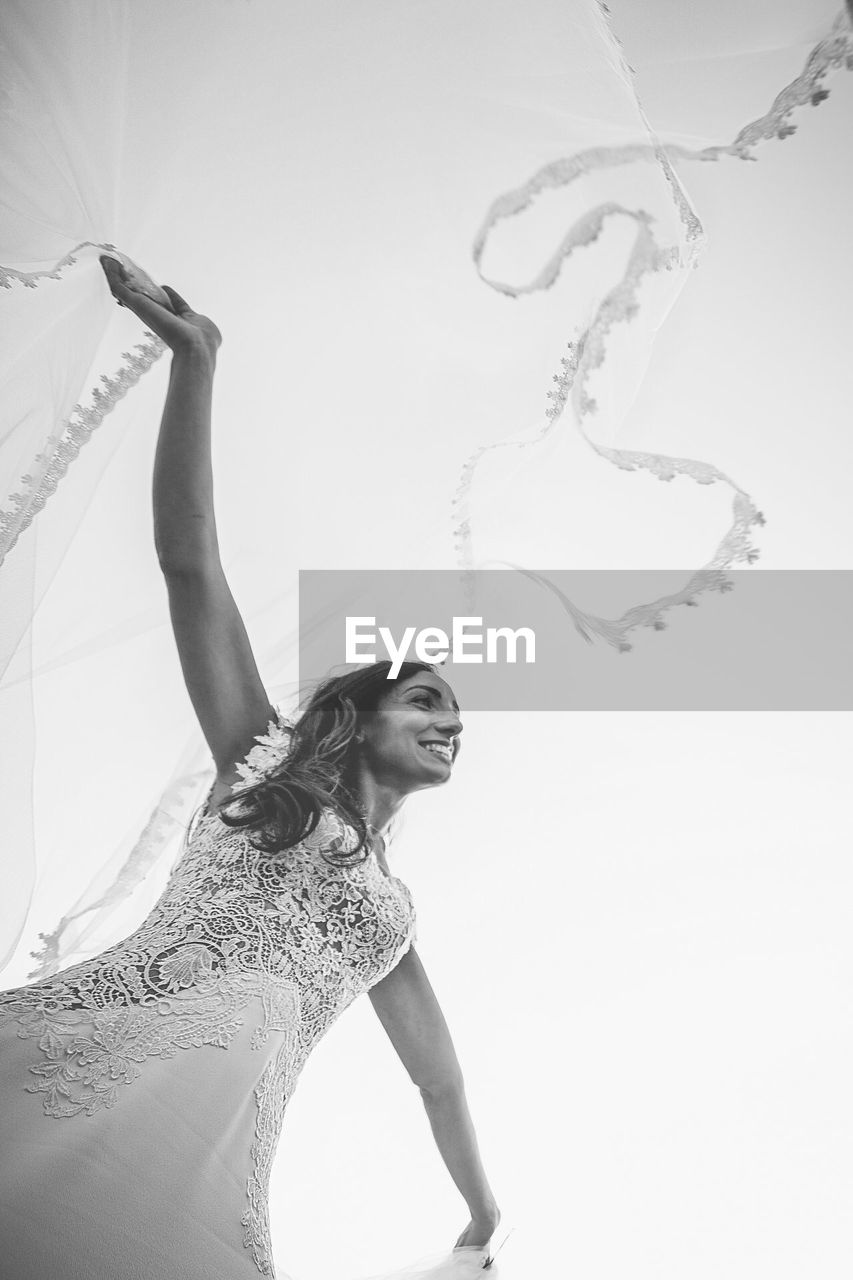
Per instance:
(158,318)
(134,280)
(112,270)
(148,310)
(180,304)
(172,319)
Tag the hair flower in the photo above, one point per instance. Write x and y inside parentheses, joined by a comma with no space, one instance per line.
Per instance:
(270,750)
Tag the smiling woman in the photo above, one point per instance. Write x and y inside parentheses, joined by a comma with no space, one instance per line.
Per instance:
(275,918)
(443,243)
(357,747)
(242,941)
(420,712)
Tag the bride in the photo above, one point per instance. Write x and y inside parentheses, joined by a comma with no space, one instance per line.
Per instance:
(143,1091)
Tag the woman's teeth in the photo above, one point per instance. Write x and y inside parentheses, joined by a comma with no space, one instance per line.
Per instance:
(438,750)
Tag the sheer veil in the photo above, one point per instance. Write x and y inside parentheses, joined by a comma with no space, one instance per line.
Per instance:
(448,246)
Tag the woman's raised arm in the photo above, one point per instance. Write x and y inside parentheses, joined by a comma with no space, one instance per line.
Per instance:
(216,656)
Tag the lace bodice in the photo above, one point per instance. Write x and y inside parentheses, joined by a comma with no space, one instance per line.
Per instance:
(288,939)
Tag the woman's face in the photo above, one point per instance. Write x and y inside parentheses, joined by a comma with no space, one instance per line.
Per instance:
(411,740)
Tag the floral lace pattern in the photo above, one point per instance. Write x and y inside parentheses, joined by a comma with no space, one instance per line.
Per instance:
(292,932)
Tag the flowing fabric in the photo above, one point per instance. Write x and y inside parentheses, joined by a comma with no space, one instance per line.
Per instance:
(442,242)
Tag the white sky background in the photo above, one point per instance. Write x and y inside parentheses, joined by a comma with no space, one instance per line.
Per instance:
(637,924)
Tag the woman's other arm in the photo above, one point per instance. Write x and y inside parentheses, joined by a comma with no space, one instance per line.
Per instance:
(409,1011)
(216,656)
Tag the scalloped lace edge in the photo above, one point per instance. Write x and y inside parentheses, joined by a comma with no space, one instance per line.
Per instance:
(65,442)
(587,350)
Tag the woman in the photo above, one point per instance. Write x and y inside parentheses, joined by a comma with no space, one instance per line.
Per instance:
(142,1160)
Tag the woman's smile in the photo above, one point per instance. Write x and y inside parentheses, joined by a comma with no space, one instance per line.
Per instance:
(442,750)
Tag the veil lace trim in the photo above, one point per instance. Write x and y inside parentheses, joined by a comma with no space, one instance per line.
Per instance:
(65,442)
(587,350)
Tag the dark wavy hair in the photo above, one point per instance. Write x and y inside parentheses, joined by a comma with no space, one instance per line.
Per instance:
(319,771)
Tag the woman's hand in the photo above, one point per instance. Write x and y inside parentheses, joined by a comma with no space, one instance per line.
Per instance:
(479,1231)
(180,327)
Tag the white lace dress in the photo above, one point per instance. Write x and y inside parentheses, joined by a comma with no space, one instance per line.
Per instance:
(142,1092)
